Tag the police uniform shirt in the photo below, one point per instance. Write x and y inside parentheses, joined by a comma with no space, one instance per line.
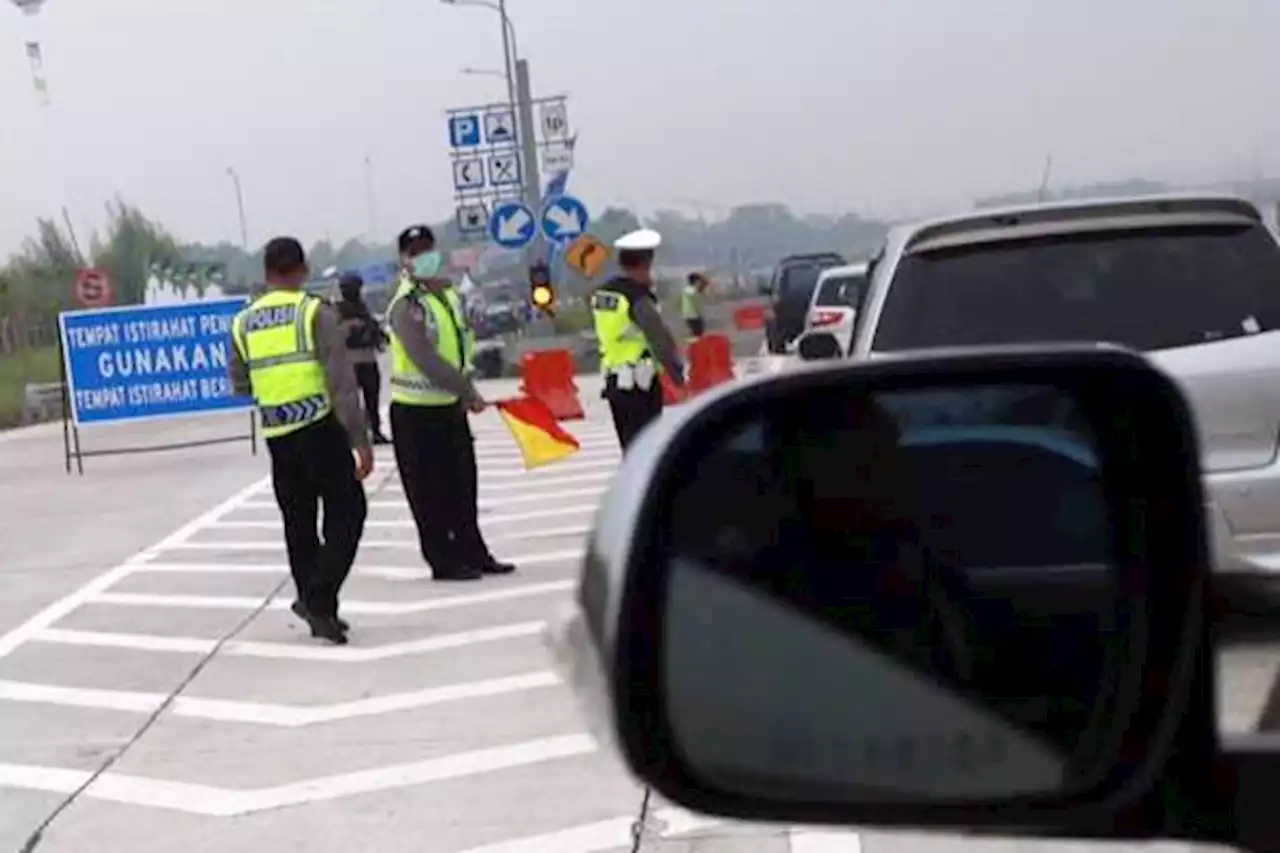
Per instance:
(331,352)
(644,313)
(409,323)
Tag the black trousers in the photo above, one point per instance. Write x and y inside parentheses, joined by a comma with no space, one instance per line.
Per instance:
(696,325)
(370,380)
(633,410)
(311,468)
(436,456)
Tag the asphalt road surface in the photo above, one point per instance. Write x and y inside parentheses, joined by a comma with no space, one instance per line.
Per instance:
(156,695)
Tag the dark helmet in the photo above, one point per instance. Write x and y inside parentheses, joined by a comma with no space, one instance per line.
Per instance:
(349,285)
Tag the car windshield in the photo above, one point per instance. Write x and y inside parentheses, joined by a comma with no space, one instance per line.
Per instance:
(841,291)
(1149,289)
(800,278)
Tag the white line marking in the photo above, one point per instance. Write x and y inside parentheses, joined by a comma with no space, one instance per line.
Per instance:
(269,545)
(824,841)
(554,512)
(520,473)
(378,608)
(583,455)
(531,485)
(62,607)
(417,573)
(225,802)
(483,504)
(292,651)
(500,518)
(605,835)
(270,714)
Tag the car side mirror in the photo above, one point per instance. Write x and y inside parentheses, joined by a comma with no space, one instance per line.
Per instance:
(819,346)
(960,590)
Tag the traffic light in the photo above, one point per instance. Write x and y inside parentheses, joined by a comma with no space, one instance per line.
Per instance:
(542,293)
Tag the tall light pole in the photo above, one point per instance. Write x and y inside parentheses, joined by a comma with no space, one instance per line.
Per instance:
(369,198)
(510,49)
(519,97)
(244,229)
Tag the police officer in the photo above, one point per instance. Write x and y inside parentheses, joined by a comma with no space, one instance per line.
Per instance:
(431,394)
(288,353)
(365,339)
(691,304)
(634,342)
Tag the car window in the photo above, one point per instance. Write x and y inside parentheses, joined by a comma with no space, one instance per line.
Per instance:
(841,291)
(799,279)
(1148,289)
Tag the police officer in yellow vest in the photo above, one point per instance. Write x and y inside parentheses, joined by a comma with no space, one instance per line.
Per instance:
(288,353)
(431,393)
(691,304)
(635,345)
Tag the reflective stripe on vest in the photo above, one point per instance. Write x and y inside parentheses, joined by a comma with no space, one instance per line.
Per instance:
(442,317)
(275,337)
(621,341)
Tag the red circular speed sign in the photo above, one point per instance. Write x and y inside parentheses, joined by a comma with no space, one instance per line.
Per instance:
(93,288)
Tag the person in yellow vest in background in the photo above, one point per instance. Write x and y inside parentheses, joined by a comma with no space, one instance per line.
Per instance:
(691,304)
(635,345)
(288,353)
(431,393)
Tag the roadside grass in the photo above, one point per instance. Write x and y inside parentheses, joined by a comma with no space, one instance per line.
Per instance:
(31,364)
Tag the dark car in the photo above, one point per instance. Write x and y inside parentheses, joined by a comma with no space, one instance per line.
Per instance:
(791,289)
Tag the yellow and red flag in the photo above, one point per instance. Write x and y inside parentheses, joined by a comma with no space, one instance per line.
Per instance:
(539,436)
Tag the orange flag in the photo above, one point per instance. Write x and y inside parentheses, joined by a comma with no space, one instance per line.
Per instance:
(539,436)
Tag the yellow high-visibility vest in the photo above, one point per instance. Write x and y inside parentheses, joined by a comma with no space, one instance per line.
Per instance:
(690,303)
(621,341)
(275,336)
(443,317)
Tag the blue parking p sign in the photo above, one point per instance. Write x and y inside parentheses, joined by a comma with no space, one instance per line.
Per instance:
(464,130)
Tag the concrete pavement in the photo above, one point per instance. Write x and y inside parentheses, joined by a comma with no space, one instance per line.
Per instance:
(154,687)
(155,693)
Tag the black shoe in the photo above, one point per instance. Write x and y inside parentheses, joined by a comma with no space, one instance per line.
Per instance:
(497,567)
(328,628)
(463,573)
(300,611)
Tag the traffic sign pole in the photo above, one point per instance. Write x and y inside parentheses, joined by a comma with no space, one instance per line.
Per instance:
(528,143)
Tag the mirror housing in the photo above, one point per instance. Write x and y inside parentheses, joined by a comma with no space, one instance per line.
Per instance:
(819,346)
(1148,473)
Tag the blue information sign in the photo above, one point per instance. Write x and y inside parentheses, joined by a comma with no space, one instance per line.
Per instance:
(138,362)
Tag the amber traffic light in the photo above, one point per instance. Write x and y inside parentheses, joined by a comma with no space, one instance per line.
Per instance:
(541,292)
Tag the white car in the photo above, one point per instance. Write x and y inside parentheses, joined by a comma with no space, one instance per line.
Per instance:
(1193,281)
(833,308)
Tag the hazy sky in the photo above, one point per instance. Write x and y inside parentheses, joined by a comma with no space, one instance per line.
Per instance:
(891,107)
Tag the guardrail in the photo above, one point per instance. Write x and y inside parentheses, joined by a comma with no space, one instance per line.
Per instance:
(41,401)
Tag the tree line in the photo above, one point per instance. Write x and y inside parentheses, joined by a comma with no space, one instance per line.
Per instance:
(133,249)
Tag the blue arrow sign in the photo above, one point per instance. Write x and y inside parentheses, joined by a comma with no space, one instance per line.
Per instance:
(464,130)
(512,225)
(564,218)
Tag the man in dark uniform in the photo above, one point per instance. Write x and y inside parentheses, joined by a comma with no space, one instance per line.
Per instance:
(632,336)
(431,394)
(288,353)
(365,339)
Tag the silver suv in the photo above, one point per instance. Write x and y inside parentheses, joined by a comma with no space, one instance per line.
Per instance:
(1191,280)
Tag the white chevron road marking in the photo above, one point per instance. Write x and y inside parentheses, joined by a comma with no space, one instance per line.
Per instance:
(397,573)
(669,824)
(267,714)
(226,802)
(55,612)
(603,835)
(292,651)
(364,608)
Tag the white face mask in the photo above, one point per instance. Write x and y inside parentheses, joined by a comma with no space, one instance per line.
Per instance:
(426,265)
